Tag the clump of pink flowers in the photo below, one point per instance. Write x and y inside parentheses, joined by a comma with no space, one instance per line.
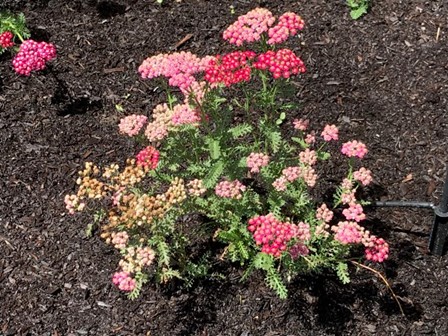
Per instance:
(255,161)
(230,69)
(288,25)
(376,249)
(230,189)
(249,27)
(330,132)
(6,39)
(148,157)
(273,235)
(363,175)
(131,125)
(354,149)
(33,56)
(124,281)
(280,63)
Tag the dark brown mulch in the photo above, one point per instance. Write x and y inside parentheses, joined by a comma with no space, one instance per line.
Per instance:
(382,79)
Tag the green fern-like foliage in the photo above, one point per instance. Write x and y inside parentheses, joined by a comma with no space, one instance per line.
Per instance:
(15,23)
(342,272)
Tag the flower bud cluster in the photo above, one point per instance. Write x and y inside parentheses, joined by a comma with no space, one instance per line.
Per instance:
(290,174)
(257,160)
(119,239)
(158,129)
(273,235)
(6,39)
(288,25)
(280,63)
(354,212)
(363,175)
(330,132)
(230,189)
(230,69)
(308,157)
(196,188)
(249,27)
(324,214)
(377,249)
(33,56)
(354,149)
(148,157)
(131,125)
(136,258)
(124,281)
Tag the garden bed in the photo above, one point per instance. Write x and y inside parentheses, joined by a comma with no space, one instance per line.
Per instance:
(382,79)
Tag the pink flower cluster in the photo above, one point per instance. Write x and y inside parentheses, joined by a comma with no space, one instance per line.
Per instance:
(377,249)
(280,63)
(132,124)
(249,27)
(230,189)
(308,157)
(290,174)
(148,157)
(6,39)
(119,239)
(178,67)
(274,235)
(257,160)
(124,281)
(363,175)
(230,69)
(324,214)
(157,129)
(288,25)
(354,148)
(354,212)
(184,114)
(330,132)
(33,56)
(352,233)
(144,256)
(301,124)
(73,204)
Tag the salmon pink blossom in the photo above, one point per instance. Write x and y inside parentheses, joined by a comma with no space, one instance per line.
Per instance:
(330,132)
(132,124)
(363,175)
(230,189)
(257,160)
(354,148)
(148,157)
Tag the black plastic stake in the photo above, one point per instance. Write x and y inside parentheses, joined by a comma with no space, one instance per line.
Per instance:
(440,227)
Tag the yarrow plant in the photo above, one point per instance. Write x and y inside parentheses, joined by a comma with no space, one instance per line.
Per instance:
(30,55)
(219,149)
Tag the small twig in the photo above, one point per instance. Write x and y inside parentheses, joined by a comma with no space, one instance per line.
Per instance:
(438,34)
(382,279)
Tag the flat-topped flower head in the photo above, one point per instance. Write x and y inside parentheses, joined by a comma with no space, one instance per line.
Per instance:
(148,157)
(230,189)
(229,69)
(249,27)
(288,25)
(255,161)
(124,281)
(363,175)
(281,63)
(33,56)
(330,132)
(131,125)
(354,149)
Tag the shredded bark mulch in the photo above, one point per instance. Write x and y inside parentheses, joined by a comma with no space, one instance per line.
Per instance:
(382,79)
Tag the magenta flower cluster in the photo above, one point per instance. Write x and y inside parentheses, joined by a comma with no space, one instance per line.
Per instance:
(230,189)
(288,25)
(124,281)
(33,56)
(273,235)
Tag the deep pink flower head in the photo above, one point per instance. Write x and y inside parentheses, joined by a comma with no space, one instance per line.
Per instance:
(249,27)
(6,39)
(124,281)
(288,25)
(281,63)
(33,56)
(354,148)
(148,157)
(378,249)
(229,69)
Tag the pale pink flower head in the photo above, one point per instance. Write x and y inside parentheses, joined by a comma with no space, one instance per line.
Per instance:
(309,176)
(324,214)
(144,256)
(354,212)
(363,175)
(354,149)
(249,27)
(348,233)
(280,184)
(230,189)
(308,157)
(301,124)
(119,239)
(255,161)
(73,203)
(348,197)
(124,281)
(292,173)
(330,132)
(184,114)
(310,138)
(132,124)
